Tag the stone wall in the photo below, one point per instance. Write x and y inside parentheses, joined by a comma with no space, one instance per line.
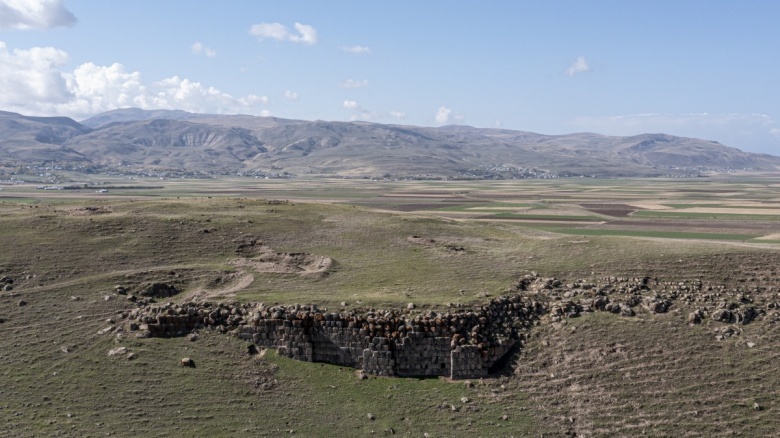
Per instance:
(460,344)
(464,343)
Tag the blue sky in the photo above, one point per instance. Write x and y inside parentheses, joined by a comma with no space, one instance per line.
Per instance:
(706,69)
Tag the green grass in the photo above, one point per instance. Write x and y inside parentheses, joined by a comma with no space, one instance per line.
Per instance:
(725,216)
(657,234)
(546,217)
(610,375)
(408,406)
(485,207)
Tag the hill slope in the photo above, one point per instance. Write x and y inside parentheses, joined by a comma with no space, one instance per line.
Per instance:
(230,143)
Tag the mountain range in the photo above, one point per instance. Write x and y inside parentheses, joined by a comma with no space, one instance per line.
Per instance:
(178,140)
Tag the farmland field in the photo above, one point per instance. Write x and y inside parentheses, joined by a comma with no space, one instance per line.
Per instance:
(437,244)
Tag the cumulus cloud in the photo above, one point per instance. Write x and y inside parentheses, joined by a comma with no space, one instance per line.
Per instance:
(351,83)
(34,14)
(304,33)
(290,95)
(443,115)
(350,104)
(34,82)
(579,66)
(399,115)
(752,132)
(357,50)
(199,49)
(358,112)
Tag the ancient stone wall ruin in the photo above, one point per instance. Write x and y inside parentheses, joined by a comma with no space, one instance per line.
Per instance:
(385,343)
(463,343)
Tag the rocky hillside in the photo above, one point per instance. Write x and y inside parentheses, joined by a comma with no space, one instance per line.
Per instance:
(233,143)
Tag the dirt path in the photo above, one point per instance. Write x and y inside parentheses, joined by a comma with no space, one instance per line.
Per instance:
(243,280)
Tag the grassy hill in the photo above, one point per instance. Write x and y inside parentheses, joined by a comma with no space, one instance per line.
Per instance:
(599,374)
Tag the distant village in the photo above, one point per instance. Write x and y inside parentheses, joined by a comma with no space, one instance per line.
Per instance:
(50,174)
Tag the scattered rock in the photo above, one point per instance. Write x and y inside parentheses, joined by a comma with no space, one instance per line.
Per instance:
(106,330)
(694,318)
(117,351)
(464,400)
(8,287)
(756,407)
(187,362)
(21,303)
(75,298)
(159,290)
(410,306)
(130,356)
(371,417)
(361,375)
(192,337)
(751,344)
(722,315)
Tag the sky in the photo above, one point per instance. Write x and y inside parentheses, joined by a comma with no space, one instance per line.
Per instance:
(701,68)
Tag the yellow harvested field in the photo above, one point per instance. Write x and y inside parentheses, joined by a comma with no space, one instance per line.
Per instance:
(651,205)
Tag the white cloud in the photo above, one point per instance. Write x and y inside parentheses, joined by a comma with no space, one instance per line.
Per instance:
(579,66)
(199,49)
(290,95)
(34,14)
(265,113)
(34,82)
(398,115)
(30,76)
(753,132)
(351,83)
(306,34)
(358,112)
(443,115)
(357,50)
(497,124)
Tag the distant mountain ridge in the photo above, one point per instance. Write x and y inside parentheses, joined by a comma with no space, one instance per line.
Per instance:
(164,139)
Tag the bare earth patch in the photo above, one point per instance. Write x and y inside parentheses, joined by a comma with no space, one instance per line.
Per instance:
(233,283)
(87,211)
(269,261)
(616,210)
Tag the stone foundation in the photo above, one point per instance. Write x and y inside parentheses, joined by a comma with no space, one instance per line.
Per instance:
(463,344)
